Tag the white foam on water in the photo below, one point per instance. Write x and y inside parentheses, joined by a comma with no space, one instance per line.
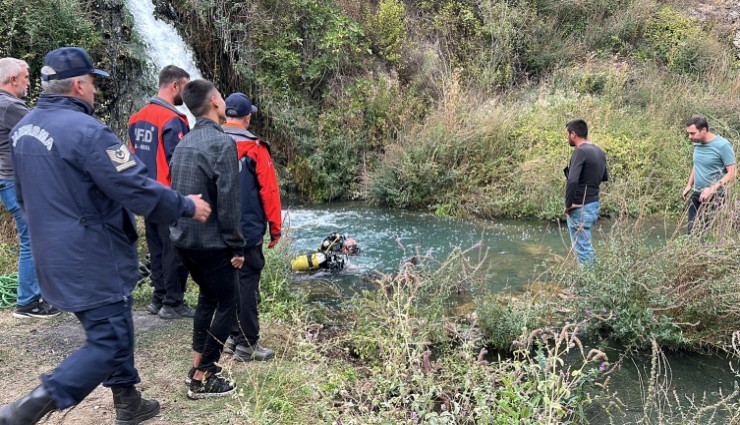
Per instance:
(164,44)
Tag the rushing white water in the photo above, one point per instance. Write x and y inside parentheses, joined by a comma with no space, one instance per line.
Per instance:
(164,44)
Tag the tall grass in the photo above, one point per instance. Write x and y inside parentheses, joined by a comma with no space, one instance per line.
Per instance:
(501,153)
(415,361)
(681,293)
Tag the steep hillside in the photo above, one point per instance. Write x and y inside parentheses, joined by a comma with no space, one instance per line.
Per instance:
(451,105)
(458,106)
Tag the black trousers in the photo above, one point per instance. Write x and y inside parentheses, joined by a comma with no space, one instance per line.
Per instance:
(216,310)
(169,277)
(701,213)
(247,329)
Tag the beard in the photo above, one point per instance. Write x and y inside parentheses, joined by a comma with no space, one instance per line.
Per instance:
(177,101)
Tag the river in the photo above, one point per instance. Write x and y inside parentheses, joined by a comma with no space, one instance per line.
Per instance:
(515,250)
(516,254)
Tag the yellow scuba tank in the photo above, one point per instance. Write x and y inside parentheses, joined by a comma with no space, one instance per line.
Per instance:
(308,261)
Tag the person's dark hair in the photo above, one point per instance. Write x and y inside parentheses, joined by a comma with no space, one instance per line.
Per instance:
(700,121)
(171,73)
(579,127)
(196,95)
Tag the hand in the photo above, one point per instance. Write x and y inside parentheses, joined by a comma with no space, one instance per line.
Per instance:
(572,207)
(707,193)
(686,192)
(237,262)
(202,209)
(273,241)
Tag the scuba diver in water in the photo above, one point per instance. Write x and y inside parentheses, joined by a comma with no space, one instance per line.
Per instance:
(332,254)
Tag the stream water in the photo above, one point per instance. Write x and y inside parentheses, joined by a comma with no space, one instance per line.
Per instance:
(515,249)
(516,252)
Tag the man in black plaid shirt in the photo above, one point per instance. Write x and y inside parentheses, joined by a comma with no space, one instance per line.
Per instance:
(205,162)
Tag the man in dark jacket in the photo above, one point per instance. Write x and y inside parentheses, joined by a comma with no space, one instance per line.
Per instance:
(205,162)
(79,185)
(14,83)
(584,174)
(260,205)
(154,132)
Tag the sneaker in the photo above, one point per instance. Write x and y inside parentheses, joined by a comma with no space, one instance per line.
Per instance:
(189,378)
(245,353)
(230,346)
(153,308)
(213,386)
(37,309)
(183,310)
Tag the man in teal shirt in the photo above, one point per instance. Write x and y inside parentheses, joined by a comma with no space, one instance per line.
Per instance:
(714,168)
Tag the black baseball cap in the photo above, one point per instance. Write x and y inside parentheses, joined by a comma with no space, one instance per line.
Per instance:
(68,62)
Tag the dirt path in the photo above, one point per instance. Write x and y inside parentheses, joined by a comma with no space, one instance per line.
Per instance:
(32,347)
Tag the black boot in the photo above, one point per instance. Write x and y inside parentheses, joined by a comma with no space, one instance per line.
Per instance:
(28,410)
(131,409)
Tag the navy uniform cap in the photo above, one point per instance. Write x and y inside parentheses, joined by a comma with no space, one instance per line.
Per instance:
(239,105)
(68,62)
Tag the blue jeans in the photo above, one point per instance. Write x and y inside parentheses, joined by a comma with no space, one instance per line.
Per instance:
(28,284)
(580,221)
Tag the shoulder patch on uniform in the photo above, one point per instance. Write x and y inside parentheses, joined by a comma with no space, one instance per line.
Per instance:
(121,157)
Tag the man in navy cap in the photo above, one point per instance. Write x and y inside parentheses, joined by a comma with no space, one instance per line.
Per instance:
(79,186)
(260,205)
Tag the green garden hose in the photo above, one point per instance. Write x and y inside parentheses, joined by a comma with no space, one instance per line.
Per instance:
(8,290)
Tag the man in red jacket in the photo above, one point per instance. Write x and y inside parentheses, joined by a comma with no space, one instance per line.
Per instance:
(260,205)
(154,132)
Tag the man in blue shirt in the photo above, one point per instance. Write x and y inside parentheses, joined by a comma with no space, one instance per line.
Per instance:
(714,168)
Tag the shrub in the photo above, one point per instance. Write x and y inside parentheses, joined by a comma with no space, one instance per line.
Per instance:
(682,294)
(389,29)
(421,365)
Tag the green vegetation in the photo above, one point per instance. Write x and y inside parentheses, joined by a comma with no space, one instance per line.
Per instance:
(416,350)
(681,294)
(452,106)
(28,31)
(459,106)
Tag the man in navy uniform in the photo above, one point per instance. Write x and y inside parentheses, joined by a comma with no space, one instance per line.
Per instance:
(79,186)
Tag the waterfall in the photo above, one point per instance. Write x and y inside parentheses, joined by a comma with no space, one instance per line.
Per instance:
(164,44)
